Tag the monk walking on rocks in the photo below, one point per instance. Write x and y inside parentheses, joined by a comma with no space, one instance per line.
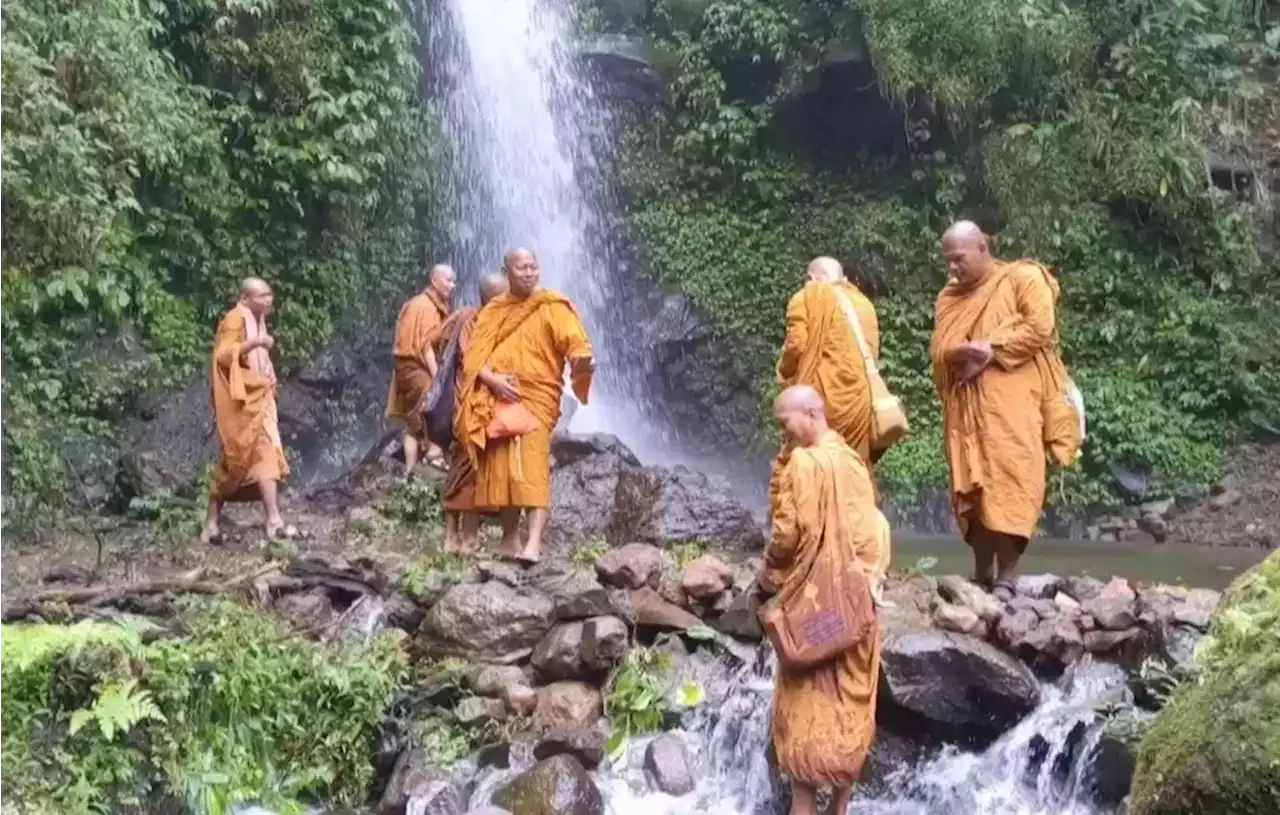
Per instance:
(415,362)
(251,461)
(510,388)
(824,521)
(997,370)
(823,351)
(461,521)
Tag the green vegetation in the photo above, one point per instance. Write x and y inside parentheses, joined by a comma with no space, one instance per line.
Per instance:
(156,154)
(638,696)
(1214,745)
(1075,132)
(102,717)
(585,554)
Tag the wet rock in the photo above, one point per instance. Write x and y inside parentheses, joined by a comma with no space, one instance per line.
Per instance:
(706,578)
(1106,642)
(1110,613)
(666,505)
(1052,645)
(507,573)
(953,683)
(1110,769)
(488,622)
(558,655)
(604,641)
(955,618)
(741,619)
(667,765)
(575,593)
(586,744)
(1197,608)
(646,608)
(555,786)
(403,613)
(961,592)
(631,566)
(415,777)
(1039,586)
(568,704)
(489,680)
(1015,626)
(584,484)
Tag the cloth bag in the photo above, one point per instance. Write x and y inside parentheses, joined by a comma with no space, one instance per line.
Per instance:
(510,420)
(888,419)
(438,401)
(821,618)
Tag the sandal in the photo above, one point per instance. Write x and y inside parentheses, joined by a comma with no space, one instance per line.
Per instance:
(987,584)
(1004,590)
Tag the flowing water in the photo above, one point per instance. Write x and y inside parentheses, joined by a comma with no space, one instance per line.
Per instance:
(527,129)
(1035,769)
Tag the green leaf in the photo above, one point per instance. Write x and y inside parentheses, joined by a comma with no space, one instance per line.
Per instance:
(690,694)
(616,746)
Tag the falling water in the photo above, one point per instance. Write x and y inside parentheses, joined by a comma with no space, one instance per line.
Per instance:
(528,130)
(1035,769)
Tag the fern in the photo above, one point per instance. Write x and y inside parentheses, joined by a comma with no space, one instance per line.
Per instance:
(23,647)
(118,708)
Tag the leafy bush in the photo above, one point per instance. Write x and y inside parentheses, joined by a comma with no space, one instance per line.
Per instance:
(100,718)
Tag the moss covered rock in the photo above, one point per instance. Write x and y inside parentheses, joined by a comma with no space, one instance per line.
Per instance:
(1215,747)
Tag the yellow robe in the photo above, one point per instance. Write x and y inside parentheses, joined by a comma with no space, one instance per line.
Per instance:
(824,517)
(409,375)
(820,350)
(532,338)
(244,407)
(993,427)
(459,491)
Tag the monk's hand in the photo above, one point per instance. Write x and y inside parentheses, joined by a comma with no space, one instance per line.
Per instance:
(505,387)
(267,341)
(971,359)
(582,365)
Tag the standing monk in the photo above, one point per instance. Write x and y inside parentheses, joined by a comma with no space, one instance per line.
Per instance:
(824,518)
(415,362)
(822,351)
(994,355)
(461,521)
(519,347)
(243,383)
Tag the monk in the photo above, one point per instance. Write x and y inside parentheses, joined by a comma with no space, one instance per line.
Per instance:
(821,350)
(251,462)
(461,521)
(994,355)
(415,362)
(824,517)
(518,351)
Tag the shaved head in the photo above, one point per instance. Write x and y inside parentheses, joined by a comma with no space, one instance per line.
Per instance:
(523,273)
(256,295)
(801,414)
(253,285)
(442,280)
(825,270)
(492,285)
(968,256)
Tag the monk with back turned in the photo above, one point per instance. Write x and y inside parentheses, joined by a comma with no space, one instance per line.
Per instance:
(996,367)
(510,389)
(461,521)
(415,362)
(824,521)
(251,459)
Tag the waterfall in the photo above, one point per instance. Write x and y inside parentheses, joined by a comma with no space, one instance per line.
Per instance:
(526,132)
(1038,768)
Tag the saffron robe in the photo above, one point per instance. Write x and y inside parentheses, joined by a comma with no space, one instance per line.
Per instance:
(243,387)
(821,351)
(993,427)
(825,517)
(459,492)
(531,338)
(418,317)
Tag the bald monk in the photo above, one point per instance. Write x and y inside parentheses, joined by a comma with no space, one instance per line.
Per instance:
(461,521)
(821,350)
(994,343)
(824,517)
(251,461)
(415,362)
(519,347)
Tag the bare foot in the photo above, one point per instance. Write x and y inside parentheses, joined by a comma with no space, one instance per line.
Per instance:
(451,547)
(469,547)
(211,535)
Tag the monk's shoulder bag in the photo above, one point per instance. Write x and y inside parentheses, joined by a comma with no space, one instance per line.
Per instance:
(437,403)
(888,419)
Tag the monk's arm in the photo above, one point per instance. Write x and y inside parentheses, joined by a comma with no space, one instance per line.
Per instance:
(429,357)
(1017,342)
(795,342)
(568,333)
(786,528)
(873,333)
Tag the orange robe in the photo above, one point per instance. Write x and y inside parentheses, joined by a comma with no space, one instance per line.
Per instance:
(993,427)
(532,338)
(244,407)
(409,376)
(821,351)
(825,517)
(459,492)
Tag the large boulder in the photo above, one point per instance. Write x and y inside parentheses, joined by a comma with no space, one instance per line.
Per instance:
(558,785)
(489,622)
(599,490)
(953,685)
(1214,745)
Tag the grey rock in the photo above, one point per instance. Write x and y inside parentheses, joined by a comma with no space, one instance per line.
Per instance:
(1109,612)
(1155,525)
(667,765)
(1106,642)
(604,641)
(665,505)
(1052,645)
(1039,586)
(306,609)
(476,710)
(488,622)
(586,744)
(646,609)
(558,785)
(960,619)
(567,704)
(575,593)
(489,680)
(558,655)
(741,619)
(962,592)
(1083,587)
(415,777)
(1159,508)
(631,566)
